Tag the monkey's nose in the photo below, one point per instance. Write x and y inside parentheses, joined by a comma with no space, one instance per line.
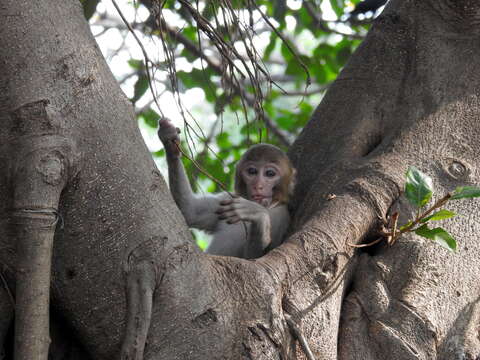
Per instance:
(258,186)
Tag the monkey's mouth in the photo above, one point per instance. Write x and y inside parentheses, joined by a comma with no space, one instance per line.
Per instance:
(262,200)
(258,198)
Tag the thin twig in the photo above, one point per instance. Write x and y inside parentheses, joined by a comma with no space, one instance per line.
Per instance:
(394,219)
(308,93)
(205,150)
(287,44)
(203,171)
(423,215)
(297,333)
(190,46)
(144,52)
(366,245)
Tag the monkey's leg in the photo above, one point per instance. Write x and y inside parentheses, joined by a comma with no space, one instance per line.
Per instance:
(141,276)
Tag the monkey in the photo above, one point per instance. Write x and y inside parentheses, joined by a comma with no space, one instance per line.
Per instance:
(251,221)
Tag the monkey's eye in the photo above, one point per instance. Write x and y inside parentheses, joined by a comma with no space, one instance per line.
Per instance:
(251,171)
(270,173)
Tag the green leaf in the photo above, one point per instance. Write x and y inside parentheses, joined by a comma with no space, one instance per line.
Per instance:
(304,20)
(285,122)
(337,6)
(318,71)
(219,105)
(140,87)
(418,188)
(135,64)
(270,47)
(463,192)
(151,118)
(403,227)
(223,140)
(439,215)
(343,55)
(202,244)
(439,235)
(199,78)
(159,153)
(286,53)
(294,67)
(323,50)
(280,10)
(190,32)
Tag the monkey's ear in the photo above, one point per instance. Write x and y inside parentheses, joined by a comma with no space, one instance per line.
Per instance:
(293,182)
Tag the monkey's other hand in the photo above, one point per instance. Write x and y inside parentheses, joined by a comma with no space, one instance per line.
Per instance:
(240,209)
(168,135)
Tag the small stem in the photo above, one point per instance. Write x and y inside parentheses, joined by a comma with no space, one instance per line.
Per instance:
(299,336)
(393,235)
(368,244)
(394,229)
(427,212)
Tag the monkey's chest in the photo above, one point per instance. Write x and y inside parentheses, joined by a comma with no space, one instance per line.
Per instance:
(229,239)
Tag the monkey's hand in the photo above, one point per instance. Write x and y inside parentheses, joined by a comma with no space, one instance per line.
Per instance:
(240,209)
(168,135)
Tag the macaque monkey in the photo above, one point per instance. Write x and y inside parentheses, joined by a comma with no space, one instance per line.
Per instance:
(254,218)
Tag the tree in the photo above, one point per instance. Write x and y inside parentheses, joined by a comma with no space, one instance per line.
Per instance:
(409,95)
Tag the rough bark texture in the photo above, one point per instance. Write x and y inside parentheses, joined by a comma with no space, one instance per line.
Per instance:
(413,92)
(409,96)
(108,208)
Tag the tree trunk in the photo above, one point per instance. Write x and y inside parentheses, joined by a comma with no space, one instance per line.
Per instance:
(409,96)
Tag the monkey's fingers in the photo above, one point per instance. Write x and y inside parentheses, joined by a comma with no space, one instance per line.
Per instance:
(233,220)
(167,137)
(245,210)
(221,210)
(227,214)
(226,202)
(163,122)
(224,209)
(265,202)
(166,129)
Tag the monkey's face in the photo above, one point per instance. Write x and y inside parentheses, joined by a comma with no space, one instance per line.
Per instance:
(260,178)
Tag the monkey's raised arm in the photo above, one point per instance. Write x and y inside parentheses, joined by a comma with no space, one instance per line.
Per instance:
(245,225)
(199,211)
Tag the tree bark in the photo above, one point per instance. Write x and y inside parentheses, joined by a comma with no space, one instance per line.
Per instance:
(409,96)
(413,99)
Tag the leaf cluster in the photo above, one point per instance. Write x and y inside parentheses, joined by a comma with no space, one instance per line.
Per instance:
(419,191)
